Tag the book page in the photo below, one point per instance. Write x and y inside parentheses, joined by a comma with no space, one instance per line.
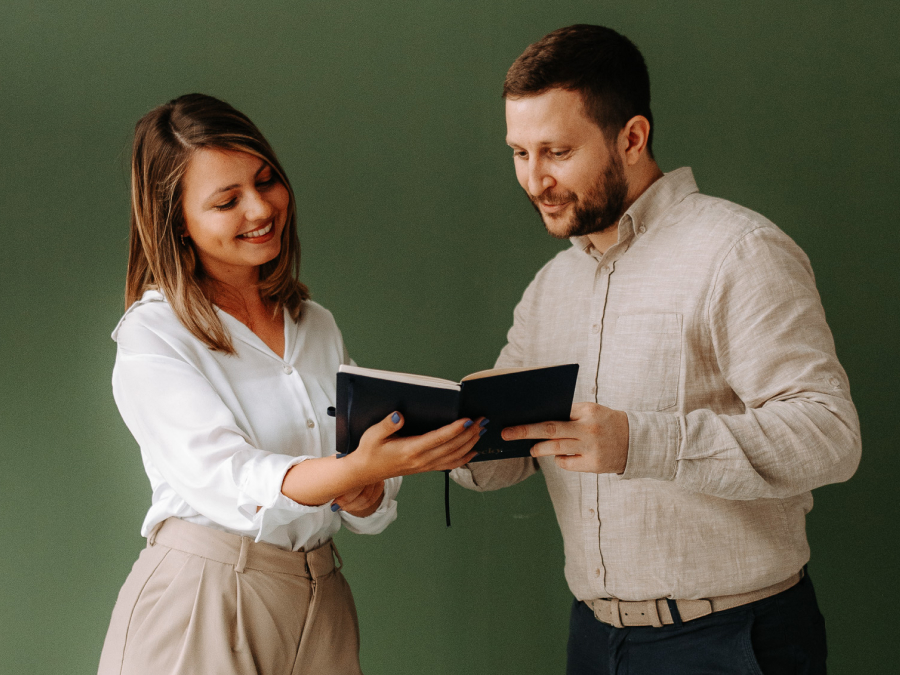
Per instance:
(408,378)
(499,371)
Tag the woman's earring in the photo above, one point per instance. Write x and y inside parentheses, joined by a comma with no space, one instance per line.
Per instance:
(182,241)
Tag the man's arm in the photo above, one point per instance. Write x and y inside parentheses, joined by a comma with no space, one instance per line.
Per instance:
(800,429)
(493,475)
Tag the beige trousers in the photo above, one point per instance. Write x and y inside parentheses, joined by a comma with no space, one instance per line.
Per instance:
(199,600)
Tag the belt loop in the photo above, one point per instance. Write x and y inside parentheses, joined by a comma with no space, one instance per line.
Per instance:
(242,556)
(673,610)
(616,617)
(151,538)
(340,564)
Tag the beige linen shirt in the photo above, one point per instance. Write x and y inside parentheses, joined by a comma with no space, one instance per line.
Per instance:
(703,323)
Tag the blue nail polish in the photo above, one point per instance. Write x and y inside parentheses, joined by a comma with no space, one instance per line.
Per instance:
(482,432)
(467,424)
(341,454)
(335,508)
(395,418)
(484,422)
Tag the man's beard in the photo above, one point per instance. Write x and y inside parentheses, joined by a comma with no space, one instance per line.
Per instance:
(599,209)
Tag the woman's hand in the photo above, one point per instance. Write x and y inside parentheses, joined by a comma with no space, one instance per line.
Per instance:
(362,502)
(382,455)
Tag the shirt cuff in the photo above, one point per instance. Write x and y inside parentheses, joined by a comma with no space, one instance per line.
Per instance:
(378,520)
(259,477)
(464,476)
(653,442)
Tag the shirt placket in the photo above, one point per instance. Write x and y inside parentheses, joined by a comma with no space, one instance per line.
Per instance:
(590,482)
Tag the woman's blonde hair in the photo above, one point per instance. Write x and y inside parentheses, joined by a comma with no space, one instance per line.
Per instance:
(159,258)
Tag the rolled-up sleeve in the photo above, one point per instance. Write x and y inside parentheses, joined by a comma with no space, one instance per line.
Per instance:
(384,515)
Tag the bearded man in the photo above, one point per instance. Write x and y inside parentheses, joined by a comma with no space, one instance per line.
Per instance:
(710,398)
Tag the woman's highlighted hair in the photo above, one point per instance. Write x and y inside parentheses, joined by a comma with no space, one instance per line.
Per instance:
(159,257)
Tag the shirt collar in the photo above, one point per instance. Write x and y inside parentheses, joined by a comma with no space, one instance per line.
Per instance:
(649,208)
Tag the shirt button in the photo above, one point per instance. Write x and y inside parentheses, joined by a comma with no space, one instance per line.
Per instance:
(591,512)
(311,424)
(605,269)
(287,369)
(597,572)
(642,229)
(595,328)
(594,389)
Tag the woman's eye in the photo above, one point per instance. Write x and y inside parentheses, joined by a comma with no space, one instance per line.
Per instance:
(267,181)
(227,205)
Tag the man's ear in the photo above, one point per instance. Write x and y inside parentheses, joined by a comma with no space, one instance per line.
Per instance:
(633,139)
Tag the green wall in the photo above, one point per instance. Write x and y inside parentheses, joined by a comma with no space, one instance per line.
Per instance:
(388,119)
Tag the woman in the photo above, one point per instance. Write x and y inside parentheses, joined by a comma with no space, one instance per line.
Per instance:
(224,372)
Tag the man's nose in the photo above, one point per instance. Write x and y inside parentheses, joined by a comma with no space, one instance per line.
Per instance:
(538,178)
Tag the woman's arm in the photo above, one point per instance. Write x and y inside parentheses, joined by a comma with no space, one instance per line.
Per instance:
(379,456)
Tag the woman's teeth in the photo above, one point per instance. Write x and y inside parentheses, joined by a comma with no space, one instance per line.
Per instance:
(257,233)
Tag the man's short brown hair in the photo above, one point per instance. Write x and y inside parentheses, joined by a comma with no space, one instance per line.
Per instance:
(604,66)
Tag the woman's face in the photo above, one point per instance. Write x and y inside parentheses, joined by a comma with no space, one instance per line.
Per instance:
(235,210)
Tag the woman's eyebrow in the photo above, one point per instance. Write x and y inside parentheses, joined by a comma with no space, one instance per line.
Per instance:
(261,168)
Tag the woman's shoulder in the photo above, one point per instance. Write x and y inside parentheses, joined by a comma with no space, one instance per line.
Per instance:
(312,313)
(149,324)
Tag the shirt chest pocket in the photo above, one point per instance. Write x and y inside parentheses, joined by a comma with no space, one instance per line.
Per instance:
(640,363)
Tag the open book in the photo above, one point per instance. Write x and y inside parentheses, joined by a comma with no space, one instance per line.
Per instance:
(506,396)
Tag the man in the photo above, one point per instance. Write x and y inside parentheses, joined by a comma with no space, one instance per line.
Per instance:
(710,399)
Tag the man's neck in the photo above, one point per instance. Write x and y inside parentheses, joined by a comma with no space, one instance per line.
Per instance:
(637,185)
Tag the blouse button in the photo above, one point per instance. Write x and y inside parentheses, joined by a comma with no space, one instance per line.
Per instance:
(310,423)
(288,369)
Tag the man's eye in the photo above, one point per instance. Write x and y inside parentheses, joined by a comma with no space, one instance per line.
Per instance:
(521,154)
(559,154)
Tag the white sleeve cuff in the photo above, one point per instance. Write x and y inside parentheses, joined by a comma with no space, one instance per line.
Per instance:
(384,515)
(259,476)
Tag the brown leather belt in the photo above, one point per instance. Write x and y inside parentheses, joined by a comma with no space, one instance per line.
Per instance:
(621,613)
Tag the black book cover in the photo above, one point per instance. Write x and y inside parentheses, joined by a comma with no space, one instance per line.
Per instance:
(524,396)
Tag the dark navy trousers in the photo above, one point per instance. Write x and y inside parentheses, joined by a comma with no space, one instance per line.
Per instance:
(780,635)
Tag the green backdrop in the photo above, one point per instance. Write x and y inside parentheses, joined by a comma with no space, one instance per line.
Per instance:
(415,234)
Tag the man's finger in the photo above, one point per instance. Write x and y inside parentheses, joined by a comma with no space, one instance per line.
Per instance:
(541,430)
(565,446)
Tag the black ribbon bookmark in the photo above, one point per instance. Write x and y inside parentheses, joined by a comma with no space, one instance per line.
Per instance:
(447,496)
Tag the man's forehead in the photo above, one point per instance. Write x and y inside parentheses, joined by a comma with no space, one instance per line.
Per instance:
(544,117)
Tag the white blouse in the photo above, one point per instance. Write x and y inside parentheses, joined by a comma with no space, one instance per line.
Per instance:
(218,432)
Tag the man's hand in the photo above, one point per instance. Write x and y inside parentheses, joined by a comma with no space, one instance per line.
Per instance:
(595,440)
(362,502)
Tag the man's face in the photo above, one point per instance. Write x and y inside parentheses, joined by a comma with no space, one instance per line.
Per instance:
(564,163)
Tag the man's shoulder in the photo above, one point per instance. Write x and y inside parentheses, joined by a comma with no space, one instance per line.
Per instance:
(717,216)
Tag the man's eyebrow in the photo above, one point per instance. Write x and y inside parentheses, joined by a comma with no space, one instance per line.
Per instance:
(261,168)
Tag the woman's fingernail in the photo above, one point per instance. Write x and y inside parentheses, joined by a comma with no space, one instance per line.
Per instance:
(335,508)
(467,424)
(341,454)
(395,418)
(483,422)
(482,432)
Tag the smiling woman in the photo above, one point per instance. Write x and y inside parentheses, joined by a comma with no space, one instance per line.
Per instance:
(224,371)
